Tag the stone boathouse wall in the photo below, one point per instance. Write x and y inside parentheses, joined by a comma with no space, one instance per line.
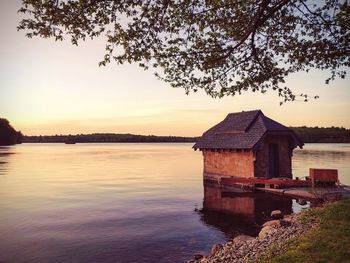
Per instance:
(229,163)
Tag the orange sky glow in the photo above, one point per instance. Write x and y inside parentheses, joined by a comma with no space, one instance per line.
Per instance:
(49,87)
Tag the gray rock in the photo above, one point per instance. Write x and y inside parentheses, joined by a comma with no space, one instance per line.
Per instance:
(215,249)
(273,223)
(288,219)
(285,223)
(251,251)
(301,202)
(242,239)
(266,231)
(276,214)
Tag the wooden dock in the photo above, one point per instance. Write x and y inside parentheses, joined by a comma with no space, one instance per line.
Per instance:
(241,182)
(309,193)
(299,189)
(266,182)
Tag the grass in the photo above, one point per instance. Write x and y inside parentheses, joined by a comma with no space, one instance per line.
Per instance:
(329,241)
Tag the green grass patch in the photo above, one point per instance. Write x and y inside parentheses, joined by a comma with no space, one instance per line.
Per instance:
(328,242)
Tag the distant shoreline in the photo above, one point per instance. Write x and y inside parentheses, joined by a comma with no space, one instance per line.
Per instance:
(163,142)
(106,142)
(107,138)
(307,134)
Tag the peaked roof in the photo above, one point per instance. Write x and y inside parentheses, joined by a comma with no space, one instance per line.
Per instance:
(244,130)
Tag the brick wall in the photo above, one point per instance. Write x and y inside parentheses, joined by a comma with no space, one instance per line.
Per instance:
(233,163)
(246,164)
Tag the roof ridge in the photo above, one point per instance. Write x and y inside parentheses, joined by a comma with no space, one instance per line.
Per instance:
(265,119)
(243,111)
(257,114)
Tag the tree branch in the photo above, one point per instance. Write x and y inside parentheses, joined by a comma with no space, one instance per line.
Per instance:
(257,23)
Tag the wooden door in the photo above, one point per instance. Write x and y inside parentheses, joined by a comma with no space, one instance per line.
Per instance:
(273,160)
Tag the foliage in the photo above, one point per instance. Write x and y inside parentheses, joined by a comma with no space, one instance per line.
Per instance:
(106,137)
(224,47)
(307,134)
(8,135)
(323,135)
(328,242)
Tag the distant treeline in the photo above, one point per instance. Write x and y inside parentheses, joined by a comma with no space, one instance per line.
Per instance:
(105,137)
(323,135)
(307,134)
(8,134)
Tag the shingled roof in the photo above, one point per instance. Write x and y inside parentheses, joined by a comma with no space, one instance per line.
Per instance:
(243,130)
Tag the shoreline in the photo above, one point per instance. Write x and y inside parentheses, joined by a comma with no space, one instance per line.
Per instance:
(274,235)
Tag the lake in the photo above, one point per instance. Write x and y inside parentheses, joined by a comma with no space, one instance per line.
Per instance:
(128,202)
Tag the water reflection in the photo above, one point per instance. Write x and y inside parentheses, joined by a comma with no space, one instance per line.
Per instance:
(126,202)
(5,154)
(101,202)
(331,156)
(339,156)
(240,212)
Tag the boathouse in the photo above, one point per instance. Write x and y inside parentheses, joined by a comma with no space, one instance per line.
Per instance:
(248,144)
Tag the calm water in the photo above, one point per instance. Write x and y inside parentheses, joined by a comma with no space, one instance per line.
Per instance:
(127,202)
(319,155)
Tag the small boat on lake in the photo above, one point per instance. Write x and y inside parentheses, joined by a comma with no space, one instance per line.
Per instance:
(70,140)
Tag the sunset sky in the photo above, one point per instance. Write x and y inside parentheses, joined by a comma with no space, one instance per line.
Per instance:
(49,87)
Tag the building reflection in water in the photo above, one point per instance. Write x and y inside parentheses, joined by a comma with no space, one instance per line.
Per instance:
(236,212)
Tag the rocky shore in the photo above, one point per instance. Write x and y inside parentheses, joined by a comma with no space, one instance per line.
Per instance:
(244,248)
